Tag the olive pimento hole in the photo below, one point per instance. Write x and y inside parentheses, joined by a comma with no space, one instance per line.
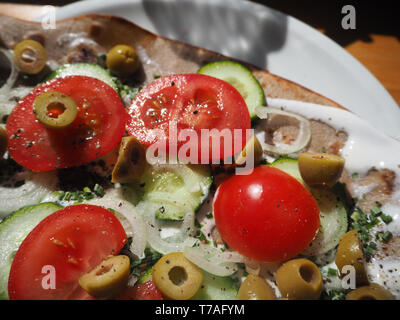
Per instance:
(28,55)
(307,273)
(177,275)
(55,109)
(103,269)
(367,298)
(135,156)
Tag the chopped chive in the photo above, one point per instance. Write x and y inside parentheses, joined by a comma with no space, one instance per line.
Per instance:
(355,215)
(332,272)
(98,189)
(386,219)
(387,236)
(376,211)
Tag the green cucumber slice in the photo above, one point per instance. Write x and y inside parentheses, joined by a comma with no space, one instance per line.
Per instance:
(176,189)
(84,69)
(217,288)
(333,213)
(13,230)
(241,78)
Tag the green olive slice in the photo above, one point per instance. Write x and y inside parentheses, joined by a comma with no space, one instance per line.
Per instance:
(320,169)
(299,279)
(350,253)
(252,149)
(370,292)
(122,60)
(55,110)
(176,277)
(108,279)
(30,56)
(3,142)
(131,161)
(255,288)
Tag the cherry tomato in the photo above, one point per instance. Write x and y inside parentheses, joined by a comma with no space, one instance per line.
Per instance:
(266,215)
(97,129)
(67,244)
(192,101)
(142,291)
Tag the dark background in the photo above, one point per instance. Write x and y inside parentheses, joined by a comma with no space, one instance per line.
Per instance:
(373,16)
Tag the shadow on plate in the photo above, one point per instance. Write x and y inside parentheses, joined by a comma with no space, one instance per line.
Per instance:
(246,35)
(372,17)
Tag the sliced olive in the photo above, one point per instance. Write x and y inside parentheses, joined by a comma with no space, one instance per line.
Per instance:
(252,149)
(350,253)
(131,161)
(108,279)
(371,292)
(55,109)
(122,60)
(320,169)
(30,56)
(255,288)
(176,277)
(3,142)
(299,279)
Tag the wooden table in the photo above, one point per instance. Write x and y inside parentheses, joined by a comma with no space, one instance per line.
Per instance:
(381,56)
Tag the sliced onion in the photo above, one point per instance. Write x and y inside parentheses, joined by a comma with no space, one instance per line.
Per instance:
(303,137)
(35,188)
(212,260)
(7,92)
(13,74)
(176,243)
(130,218)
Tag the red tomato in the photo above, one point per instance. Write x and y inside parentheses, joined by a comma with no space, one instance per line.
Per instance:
(73,240)
(266,215)
(194,102)
(96,131)
(142,291)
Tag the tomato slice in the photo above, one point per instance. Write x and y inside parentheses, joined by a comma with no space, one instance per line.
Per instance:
(192,101)
(97,129)
(73,241)
(267,215)
(142,291)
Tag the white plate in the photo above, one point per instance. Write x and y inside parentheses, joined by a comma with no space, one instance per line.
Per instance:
(263,37)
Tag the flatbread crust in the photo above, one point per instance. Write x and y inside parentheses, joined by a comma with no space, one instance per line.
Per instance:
(168,56)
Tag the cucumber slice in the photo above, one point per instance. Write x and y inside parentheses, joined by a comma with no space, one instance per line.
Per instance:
(84,69)
(20,188)
(13,230)
(333,213)
(176,189)
(217,288)
(290,166)
(241,78)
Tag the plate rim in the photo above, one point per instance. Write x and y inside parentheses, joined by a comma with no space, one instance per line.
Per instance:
(294,25)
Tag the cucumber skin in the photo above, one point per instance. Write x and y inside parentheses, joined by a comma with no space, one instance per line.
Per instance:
(91,66)
(216,65)
(8,222)
(147,276)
